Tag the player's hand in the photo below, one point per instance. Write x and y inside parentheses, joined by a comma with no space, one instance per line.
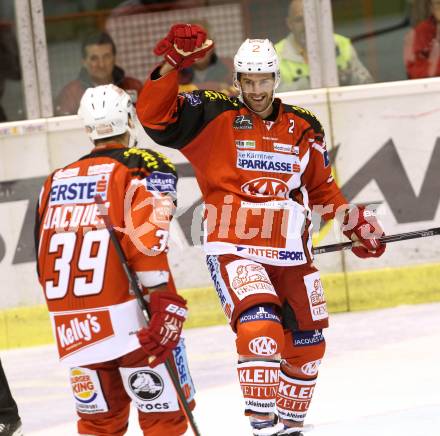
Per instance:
(364,229)
(168,313)
(184,44)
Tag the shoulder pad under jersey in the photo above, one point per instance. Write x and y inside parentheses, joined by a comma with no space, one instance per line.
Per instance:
(148,159)
(162,175)
(307,115)
(196,98)
(133,157)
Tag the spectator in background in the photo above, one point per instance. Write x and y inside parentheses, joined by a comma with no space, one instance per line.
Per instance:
(422,46)
(210,72)
(292,50)
(9,61)
(99,68)
(10,423)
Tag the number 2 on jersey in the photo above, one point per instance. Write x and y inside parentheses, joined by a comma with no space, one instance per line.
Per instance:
(87,261)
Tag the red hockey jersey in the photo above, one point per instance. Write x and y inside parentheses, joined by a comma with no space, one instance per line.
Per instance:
(93,313)
(260,179)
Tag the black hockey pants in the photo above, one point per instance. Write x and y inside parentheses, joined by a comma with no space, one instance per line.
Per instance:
(8,407)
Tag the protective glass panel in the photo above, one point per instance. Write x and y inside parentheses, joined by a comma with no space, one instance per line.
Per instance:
(11,93)
(369,39)
(110,41)
(283,23)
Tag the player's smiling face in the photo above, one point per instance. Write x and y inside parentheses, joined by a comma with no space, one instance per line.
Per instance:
(257,89)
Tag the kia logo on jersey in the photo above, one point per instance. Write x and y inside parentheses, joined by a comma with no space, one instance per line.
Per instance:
(263,346)
(266,187)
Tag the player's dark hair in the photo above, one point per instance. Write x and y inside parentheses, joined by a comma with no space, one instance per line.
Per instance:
(116,138)
(97,39)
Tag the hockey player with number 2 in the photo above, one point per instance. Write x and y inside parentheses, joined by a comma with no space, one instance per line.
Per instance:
(100,332)
(261,166)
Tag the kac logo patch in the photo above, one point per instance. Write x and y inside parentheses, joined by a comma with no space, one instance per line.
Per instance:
(263,346)
(311,368)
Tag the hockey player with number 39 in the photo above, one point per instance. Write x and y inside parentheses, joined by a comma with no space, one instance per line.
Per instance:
(261,166)
(99,330)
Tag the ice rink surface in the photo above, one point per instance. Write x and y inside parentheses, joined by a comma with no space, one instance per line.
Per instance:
(380,377)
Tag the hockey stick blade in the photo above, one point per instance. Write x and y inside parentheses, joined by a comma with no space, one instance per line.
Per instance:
(385,240)
(134,284)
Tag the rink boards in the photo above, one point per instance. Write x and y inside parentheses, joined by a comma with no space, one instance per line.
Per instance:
(384,140)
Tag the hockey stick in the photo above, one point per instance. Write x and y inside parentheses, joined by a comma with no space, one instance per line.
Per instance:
(385,240)
(133,280)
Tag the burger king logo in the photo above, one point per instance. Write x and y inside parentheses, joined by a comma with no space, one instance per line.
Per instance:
(82,386)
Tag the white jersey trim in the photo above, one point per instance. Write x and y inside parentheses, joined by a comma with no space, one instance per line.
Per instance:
(125,318)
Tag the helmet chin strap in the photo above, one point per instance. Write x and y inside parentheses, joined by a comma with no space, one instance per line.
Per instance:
(131,129)
(132,140)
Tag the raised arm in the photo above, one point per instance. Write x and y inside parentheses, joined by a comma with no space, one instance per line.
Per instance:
(170,119)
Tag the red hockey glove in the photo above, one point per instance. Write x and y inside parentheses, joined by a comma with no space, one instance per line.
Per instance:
(364,228)
(160,337)
(184,44)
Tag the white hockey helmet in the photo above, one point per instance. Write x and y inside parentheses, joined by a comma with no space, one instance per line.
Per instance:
(106,111)
(257,56)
